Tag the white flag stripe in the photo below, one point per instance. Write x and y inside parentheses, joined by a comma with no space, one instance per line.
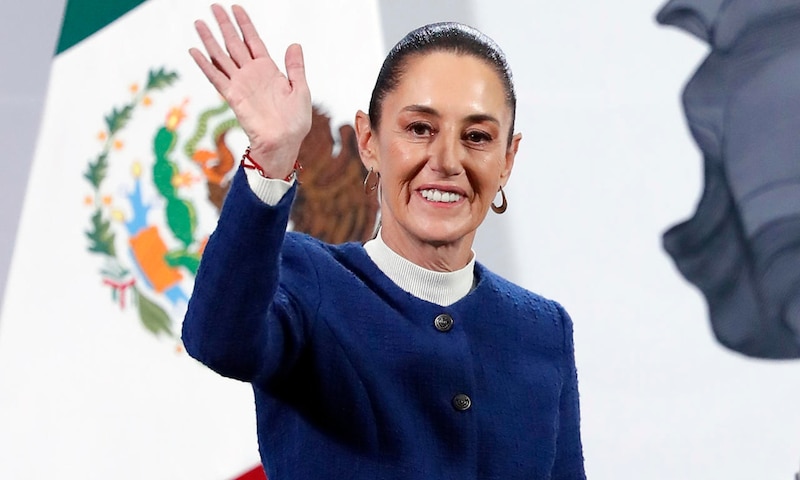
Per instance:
(85,390)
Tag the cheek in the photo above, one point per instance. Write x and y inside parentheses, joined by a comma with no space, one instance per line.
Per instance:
(400,160)
(394,154)
(487,169)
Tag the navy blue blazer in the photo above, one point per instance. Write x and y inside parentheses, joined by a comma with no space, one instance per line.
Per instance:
(355,378)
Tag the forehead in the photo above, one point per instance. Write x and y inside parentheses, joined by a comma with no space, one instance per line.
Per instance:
(455,78)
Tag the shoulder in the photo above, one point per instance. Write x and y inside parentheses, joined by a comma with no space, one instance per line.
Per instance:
(302,242)
(523,296)
(301,248)
(546,312)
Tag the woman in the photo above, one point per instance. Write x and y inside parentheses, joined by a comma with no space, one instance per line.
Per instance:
(401,358)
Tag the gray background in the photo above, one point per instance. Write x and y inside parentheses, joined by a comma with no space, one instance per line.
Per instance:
(28,34)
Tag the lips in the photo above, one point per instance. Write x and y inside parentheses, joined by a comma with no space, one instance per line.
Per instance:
(441,196)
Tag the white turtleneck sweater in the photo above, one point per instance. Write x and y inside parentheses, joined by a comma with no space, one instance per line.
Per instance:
(441,288)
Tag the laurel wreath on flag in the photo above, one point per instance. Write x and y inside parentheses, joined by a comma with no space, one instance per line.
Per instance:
(100,234)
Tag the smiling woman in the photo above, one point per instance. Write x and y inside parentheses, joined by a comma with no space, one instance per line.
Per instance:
(402,357)
(441,159)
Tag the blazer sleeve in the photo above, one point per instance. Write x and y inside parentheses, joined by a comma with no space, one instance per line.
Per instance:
(241,321)
(568,464)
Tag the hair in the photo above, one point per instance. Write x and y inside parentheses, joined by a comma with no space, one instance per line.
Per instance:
(449,37)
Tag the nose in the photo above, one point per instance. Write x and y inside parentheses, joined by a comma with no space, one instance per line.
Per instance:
(446,154)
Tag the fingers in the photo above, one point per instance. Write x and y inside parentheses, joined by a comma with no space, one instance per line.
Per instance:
(296,67)
(217,77)
(251,37)
(238,52)
(215,52)
(220,66)
(233,43)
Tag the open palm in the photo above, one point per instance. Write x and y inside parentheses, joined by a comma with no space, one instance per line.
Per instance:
(273,109)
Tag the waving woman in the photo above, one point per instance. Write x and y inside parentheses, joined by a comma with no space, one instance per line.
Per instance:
(403,357)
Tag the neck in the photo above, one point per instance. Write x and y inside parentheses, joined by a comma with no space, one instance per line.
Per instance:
(441,288)
(438,256)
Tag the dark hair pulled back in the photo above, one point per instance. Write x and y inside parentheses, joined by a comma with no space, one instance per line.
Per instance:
(440,37)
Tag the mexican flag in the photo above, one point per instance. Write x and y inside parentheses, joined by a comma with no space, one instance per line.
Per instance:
(133,159)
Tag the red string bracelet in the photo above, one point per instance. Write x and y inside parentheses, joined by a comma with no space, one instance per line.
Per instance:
(248,162)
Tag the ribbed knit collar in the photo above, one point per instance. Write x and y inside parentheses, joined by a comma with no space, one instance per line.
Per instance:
(441,288)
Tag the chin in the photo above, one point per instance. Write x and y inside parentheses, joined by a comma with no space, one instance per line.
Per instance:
(441,235)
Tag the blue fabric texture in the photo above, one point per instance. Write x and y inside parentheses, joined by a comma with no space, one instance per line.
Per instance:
(742,247)
(352,378)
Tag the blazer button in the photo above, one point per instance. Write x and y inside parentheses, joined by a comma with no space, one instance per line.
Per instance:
(461,402)
(443,322)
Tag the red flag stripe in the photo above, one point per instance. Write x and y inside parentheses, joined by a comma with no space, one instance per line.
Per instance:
(257,473)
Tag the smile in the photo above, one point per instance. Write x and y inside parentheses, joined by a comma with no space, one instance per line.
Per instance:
(433,195)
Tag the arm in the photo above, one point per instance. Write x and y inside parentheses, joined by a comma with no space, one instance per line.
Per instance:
(569,451)
(239,321)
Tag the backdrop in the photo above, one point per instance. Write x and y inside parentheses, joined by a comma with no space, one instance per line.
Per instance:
(605,166)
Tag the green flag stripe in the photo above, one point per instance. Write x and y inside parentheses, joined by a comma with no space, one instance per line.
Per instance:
(83,18)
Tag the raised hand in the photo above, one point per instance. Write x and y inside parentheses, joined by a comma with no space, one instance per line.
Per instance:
(273,109)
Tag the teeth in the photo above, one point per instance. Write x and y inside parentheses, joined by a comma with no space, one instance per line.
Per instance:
(434,195)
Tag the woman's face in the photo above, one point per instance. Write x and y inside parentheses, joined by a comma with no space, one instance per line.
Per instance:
(441,149)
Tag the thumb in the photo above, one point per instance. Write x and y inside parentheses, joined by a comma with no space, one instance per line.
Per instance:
(296,67)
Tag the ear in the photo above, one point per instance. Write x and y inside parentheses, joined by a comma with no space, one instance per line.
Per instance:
(511,154)
(366,141)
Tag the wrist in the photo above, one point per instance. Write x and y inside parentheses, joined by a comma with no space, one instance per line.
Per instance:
(271,173)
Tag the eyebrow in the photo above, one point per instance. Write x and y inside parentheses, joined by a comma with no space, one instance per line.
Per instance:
(474,118)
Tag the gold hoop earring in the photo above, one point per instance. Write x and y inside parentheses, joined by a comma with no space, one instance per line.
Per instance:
(502,208)
(371,181)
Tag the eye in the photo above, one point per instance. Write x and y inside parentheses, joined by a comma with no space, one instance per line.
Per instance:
(477,136)
(420,129)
